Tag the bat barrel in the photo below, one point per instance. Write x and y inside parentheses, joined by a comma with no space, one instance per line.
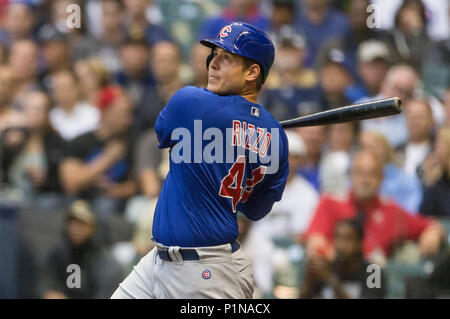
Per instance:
(356,112)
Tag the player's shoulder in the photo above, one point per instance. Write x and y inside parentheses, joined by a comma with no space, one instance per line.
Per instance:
(190,94)
(193,91)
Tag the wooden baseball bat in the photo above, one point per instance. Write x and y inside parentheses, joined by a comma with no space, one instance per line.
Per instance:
(355,112)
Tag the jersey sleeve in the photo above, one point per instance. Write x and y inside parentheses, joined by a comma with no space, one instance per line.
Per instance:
(174,115)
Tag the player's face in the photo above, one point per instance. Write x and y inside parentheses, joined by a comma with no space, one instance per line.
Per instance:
(226,74)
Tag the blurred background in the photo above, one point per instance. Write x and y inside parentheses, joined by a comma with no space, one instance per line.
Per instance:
(80,171)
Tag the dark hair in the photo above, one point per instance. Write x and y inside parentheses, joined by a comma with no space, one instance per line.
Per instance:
(259,81)
(409,3)
(355,224)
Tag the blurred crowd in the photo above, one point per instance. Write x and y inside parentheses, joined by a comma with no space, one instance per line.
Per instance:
(78,106)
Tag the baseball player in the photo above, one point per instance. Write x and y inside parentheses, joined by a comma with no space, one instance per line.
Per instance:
(195,225)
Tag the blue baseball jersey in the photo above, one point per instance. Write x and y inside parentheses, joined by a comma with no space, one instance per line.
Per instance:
(227,155)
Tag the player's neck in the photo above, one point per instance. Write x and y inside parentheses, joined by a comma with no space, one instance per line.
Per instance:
(249,95)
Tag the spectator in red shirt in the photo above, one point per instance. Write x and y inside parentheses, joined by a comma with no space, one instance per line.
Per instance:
(384,222)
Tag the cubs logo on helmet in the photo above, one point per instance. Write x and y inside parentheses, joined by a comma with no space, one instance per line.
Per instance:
(225,31)
(247,41)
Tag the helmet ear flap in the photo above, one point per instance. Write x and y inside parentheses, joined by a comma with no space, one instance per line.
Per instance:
(209,58)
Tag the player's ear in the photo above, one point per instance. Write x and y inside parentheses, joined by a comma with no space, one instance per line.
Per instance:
(253,72)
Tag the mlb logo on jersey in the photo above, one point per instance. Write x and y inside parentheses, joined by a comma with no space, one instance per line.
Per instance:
(255,111)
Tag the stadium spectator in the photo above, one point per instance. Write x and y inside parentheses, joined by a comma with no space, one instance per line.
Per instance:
(419,120)
(347,275)
(405,189)
(35,168)
(12,123)
(288,219)
(70,116)
(291,89)
(112,34)
(81,44)
(9,116)
(335,163)
(321,24)
(135,75)
(23,59)
(335,78)
(385,223)
(291,216)
(93,77)
(165,66)
(284,13)
(409,36)
(237,10)
(400,81)
(98,164)
(199,54)
(56,53)
(138,24)
(99,273)
(436,199)
(314,138)
(18,23)
(374,59)
(359,17)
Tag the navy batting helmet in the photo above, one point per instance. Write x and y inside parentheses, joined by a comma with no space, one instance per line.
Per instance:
(247,41)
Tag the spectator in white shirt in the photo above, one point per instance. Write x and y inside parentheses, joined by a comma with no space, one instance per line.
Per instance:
(289,218)
(70,117)
(419,120)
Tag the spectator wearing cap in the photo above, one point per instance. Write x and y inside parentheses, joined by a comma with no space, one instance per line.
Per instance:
(374,60)
(238,10)
(70,117)
(18,22)
(291,89)
(289,217)
(321,24)
(98,164)
(137,22)
(99,272)
(385,224)
(335,78)
(56,53)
